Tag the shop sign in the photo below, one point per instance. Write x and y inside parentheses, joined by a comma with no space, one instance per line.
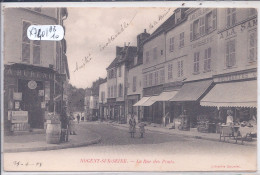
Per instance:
(32,84)
(32,74)
(233,31)
(17,96)
(202,42)
(19,117)
(237,76)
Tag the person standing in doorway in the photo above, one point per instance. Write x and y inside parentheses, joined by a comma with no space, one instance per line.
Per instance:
(78,118)
(230,119)
(132,124)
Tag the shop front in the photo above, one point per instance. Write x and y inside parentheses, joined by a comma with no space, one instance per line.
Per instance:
(187,100)
(236,103)
(28,95)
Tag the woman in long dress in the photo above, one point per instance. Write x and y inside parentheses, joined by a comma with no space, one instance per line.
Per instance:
(132,124)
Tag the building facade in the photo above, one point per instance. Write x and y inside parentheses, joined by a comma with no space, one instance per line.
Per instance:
(117,82)
(103,110)
(36,72)
(190,54)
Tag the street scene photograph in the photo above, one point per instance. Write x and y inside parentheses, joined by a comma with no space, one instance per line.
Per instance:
(169,88)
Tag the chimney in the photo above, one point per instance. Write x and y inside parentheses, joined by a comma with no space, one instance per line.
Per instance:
(144,30)
(118,50)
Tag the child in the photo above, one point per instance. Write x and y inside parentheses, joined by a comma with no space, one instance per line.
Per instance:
(141,128)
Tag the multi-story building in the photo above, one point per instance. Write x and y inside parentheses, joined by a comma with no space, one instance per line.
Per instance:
(134,80)
(194,51)
(34,71)
(235,75)
(116,81)
(103,110)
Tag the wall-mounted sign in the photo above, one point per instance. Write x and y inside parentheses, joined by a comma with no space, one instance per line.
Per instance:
(32,84)
(19,117)
(43,105)
(17,105)
(32,74)
(17,96)
(236,76)
(41,93)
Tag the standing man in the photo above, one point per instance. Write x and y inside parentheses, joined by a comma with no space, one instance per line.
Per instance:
(78,118)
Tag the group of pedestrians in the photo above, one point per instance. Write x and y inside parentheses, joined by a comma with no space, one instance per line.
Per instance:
(132,127)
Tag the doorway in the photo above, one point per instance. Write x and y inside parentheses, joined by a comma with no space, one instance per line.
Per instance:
(31,102)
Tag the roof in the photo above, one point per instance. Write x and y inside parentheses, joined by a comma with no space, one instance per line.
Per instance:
(167,25)
(125,55)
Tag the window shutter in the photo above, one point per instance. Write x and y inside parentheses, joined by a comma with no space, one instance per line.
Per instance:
(202,26)
(191,31)
(214,21)
(227,54)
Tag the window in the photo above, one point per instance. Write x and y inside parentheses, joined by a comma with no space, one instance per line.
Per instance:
(156,77)
(171,44)
(147,55)
(180,68)
(145,80)
(37,52)
(207,59)
(177,16)
(115,90)
(196,29)
(134,83)
(108,92)
(162,76)
(252,11)
(181,39)
(120,91)
(112,91)
(252,55)
(230,53)
(119,71)
(150,79)
(155,53)
(196,62)
(169,71)
(26,43)
(161,52)
(202,27)
(211,20)
(231,17)
(57,56)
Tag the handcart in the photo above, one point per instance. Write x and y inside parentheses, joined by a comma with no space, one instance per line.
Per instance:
(230,132)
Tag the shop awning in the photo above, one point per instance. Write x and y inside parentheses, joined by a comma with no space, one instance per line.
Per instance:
(234,94)
(166,96)
(192,91)
(140,102)
(150,101)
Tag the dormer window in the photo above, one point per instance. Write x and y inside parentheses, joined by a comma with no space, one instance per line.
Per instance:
(177,16)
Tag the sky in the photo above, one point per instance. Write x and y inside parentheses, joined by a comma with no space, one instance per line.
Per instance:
(89,28)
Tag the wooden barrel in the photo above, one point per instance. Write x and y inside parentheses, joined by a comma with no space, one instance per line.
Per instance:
(53,132)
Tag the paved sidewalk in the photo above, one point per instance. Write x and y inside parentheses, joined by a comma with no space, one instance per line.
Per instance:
(193,133)
(37,142)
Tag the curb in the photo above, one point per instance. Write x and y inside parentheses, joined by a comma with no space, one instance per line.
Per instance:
(188,136)
(45,148)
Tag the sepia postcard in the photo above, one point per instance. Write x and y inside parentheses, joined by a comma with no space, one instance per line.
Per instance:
(121,87)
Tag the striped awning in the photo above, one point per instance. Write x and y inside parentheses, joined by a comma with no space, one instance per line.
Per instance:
(192,91)
(233,94)
(140,102)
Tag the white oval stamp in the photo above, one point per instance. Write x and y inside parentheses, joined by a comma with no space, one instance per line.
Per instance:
(45,32)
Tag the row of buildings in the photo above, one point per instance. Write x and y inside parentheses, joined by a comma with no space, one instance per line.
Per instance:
(201,61)
(36,73)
